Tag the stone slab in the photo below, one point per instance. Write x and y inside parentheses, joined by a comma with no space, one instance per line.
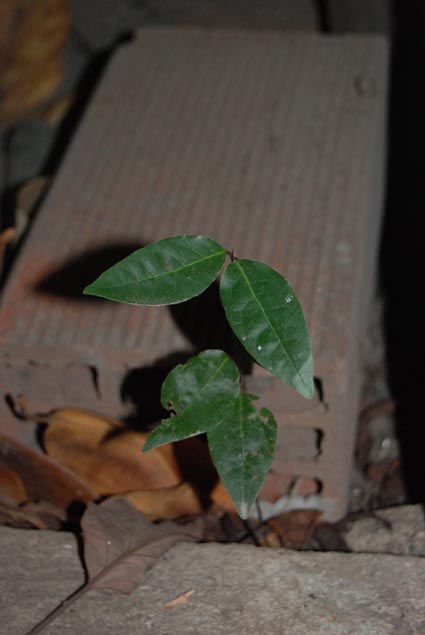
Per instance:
(236,589)
(37,571)
(397,530)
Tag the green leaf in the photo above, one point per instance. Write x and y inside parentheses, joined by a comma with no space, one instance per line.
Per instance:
(200,392)
(166,272)
(242,447)
(265,314)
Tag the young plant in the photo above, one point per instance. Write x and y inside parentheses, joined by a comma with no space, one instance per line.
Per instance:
(204,395)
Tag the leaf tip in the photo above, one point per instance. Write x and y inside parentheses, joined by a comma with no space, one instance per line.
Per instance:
(149,444)
(307,390)
(243,510)
(90,289)
(154,440)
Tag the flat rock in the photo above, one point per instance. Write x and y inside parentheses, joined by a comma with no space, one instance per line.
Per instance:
(38,571)
(235,589)
(398,530)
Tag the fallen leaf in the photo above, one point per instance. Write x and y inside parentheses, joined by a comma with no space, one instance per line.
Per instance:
(166,503)
(32,51)
(39,515)
(96,424)
(220,497)
(181,599)
(12,487)
(42,477)
(106,455)
(26,199)
(52,515)
(56,112)
(293,529)
(7,14)
(13,516)
(330,537)
(120,544)
(7,236)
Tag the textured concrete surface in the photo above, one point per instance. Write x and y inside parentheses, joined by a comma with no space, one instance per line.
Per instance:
(398,530)
(38,571)
(236,589)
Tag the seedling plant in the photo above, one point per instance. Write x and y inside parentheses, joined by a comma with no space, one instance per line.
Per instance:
(204,395)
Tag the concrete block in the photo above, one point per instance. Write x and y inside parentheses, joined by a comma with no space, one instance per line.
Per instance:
(271,143)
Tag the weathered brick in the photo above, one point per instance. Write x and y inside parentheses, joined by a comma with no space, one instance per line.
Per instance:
(272,144)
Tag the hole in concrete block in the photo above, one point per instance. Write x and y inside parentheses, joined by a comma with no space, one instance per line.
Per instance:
(318,384)
(10,401)
(320,435)
(94,372)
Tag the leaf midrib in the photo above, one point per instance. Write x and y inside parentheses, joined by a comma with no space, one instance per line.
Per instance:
(201,391)
(271,325)
(161,275)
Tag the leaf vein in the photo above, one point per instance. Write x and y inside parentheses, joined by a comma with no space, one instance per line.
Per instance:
(163,274)
(271,325)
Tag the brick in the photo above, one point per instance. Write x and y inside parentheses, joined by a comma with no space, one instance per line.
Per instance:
(272,144)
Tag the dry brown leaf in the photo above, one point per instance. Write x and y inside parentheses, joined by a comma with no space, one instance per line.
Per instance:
(106,455)
(12,487)
(220,497)
(7,237)
(92,428)
(35,515)
(181,599)
(13,516)
(53,516)
(33,44)
(43,478)
(56,112)
(26,199)
(8,10)
(166,503)
(120,544)
(293,529)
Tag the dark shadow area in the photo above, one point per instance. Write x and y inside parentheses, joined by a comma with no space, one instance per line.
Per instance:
(322,12)
(8,207)
(403,252)
(83,93)
(141,388)
(203,322)
(70,278)
(85,89)
(196,466)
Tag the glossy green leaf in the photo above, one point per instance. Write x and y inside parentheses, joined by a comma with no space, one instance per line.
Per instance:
(242,447)
(265,314)
(200,392)
(166,272)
